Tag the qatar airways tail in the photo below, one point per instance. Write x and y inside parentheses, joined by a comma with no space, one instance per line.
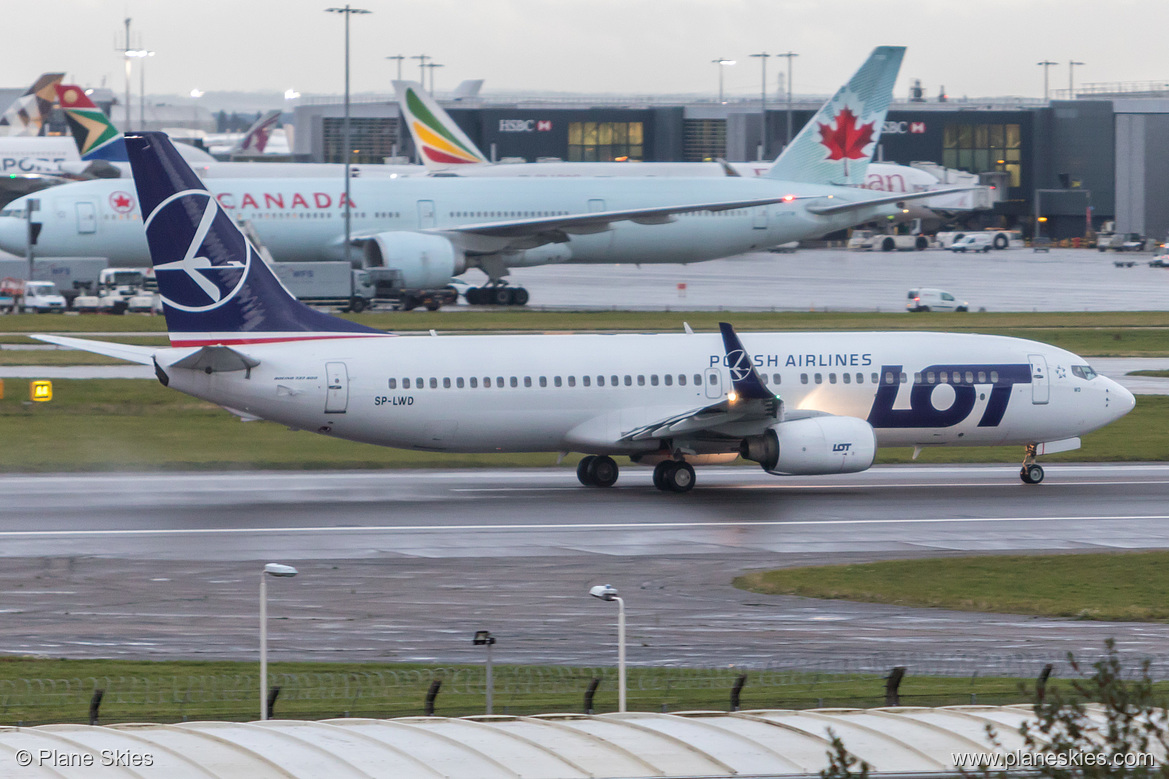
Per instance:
(795,403)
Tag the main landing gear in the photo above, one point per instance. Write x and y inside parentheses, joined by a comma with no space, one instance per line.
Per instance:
(496,295)
(674,476)
(597,471)
(1031,472)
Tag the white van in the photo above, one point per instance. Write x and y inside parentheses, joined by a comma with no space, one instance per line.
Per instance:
(42,297)
(974,242)
(928,299)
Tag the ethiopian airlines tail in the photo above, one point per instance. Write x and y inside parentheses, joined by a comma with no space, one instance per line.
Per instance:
(28,113)
(215,288)
(96,136)
(440,142)
(836,146)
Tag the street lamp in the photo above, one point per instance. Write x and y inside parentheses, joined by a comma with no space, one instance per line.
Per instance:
(484,638)
(431,66)
(283,572)
(422,58)
(721,62)
(399,58)
(608,592)
(1071,71)
(347,11)
(763,106)
(1045,65)
(790,56)
(195,95)
(141,54)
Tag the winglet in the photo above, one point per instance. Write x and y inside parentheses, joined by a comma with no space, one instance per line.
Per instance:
(745,379)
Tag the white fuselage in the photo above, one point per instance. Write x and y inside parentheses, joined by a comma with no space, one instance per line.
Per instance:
(303,219)
(583,392)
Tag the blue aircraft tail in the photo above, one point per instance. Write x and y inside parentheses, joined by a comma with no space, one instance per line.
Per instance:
(215,287)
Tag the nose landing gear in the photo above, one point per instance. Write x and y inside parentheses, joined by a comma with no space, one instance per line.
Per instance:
(1031,472)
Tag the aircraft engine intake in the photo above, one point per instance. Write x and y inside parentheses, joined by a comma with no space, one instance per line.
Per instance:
(813,446)
(423,261)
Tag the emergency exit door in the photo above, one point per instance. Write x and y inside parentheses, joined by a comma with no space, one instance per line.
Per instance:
(337,388)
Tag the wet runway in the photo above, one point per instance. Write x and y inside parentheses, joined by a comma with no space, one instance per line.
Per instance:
(406,565)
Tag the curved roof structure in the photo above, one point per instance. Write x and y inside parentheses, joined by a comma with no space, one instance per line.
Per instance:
(561,746)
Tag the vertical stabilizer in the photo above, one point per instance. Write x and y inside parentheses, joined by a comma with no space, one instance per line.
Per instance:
(94,133)
(255,140)
(214,285)
(440,142)
(835,147)
(29,112)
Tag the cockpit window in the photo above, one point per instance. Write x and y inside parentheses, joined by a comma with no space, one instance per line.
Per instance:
(1084,372)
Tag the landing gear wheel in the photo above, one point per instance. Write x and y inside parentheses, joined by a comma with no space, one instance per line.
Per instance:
(680,478)
(661,477)
(474,296)
(1031,474)
(602,471)
(582,470)
(501,296)
(519,297)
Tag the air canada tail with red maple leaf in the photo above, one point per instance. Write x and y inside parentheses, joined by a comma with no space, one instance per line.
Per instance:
(836,146)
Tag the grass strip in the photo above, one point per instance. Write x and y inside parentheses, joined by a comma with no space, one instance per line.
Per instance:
(34,691)
(1128,587)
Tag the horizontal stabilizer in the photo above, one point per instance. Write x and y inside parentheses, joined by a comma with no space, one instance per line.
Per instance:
(854,205)
(216,359)
(143,355)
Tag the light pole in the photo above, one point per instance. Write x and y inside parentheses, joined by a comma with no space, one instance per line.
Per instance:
(126,56)
(790,56)
(762,57)
(484,638)
(431,66)
(347,11)
(422,58)
(1071,71)
(399,58)
(1045,65)
(195,95)
(609,592)
(721,62)
(281,571)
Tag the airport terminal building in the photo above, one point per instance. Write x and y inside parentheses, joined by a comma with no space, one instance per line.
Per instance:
(1077,162)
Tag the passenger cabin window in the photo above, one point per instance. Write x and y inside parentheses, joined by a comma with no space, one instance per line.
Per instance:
(515,382)
(668,379)
(846,377)
(653,380)
(474,382)
(698,380)
(819,377)
(557,381)
(527,381)
(393,383)
(681,379)
(405,384)
(803,378)
(572,381)
(543,381)
(499,381)
(628,380)
(613,381)
(876,378)
(831,378)
(600,381)
(434,383)
(641,381)
(587,381)
(776,378)
(459,382)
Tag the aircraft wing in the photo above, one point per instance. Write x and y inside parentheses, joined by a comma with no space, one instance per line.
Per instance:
(139,354)
(528,233)
(853,205)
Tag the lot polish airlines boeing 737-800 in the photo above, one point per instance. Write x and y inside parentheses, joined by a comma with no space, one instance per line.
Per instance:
(796,403)
(428,230)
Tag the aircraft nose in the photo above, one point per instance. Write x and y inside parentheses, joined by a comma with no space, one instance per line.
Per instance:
(13,234)
(1120,400)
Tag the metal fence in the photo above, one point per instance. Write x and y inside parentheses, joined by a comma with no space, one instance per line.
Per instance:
(852,682)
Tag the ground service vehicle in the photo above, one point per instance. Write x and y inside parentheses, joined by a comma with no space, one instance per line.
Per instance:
(974,242)
(327,283)
(999,239)
(862,240)
(929,299)
(115,293)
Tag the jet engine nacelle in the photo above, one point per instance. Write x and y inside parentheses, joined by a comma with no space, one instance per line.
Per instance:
(813,446)
(423,261)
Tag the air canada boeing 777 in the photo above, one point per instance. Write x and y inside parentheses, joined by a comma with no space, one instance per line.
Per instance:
(796,403)
(428,230)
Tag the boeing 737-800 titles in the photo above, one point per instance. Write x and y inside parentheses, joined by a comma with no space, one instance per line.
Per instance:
(428,230)
(796,403)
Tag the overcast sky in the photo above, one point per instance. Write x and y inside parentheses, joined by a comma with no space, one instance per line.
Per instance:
(973,47)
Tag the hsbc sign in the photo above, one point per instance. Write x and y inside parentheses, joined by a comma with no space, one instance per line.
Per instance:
(902,128)
(525,125)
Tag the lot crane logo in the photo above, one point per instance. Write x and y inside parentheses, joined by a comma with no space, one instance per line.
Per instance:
(739,364)
(205,277)
(844,137)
